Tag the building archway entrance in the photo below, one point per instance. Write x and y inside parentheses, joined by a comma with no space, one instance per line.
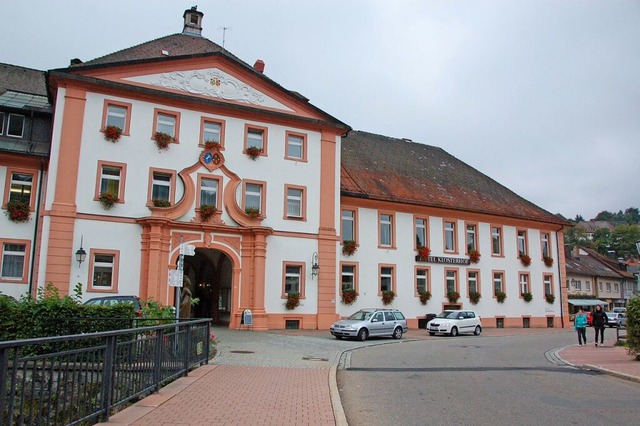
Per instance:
(209,274)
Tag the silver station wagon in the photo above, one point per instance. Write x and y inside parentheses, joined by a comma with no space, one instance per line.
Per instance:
(371,322)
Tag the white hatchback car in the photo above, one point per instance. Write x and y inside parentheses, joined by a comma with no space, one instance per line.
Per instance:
(455,322)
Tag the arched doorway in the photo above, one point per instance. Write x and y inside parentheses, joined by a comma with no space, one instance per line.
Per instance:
(210,277)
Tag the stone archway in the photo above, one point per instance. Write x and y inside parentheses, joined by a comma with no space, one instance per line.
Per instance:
(210,273)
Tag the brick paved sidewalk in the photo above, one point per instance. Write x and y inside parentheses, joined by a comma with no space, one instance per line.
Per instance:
(610,359)
(237,395)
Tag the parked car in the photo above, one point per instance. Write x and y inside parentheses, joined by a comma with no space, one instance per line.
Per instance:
(616,319)
(371,322)
(619,309)
(454,322)
(114,300)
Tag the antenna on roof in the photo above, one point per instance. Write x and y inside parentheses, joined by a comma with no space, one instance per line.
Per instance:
(224,33)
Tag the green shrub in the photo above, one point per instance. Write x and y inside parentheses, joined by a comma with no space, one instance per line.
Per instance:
(633,327)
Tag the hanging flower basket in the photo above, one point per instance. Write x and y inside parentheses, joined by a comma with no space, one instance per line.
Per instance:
(112,133)
(206,211)
(453,296)
(423,251)
(349,296)
(18,211)
(252,212)
(158,202)
(500,296)
(525,259)
(388,296)
(163,140)
(425,296)
(209,145)
(107,199)
(550,298)
(349,247)
(293,301)
(528,297)
(253,152)
(548,261)
(474,297)
(474,256)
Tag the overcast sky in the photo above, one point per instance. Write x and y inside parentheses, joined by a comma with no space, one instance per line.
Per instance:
(542,96)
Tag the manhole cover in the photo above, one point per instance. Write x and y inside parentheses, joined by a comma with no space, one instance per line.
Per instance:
(241,352)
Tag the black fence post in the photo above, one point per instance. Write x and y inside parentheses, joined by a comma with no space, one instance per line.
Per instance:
(107,375)
(187,349)
(158,360)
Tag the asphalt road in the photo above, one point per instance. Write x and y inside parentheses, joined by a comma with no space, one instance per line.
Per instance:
(468,380)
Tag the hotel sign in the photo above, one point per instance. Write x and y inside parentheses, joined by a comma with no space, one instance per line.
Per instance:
(445,260)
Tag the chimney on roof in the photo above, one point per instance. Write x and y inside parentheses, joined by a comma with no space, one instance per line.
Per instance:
(75,61)
(192,22)
(259,66)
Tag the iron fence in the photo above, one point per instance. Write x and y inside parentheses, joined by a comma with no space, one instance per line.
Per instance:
(82,378)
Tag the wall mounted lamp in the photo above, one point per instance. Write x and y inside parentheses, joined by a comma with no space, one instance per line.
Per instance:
(81,255)
(314,265)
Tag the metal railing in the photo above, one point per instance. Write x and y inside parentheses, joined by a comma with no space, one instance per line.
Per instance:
(80,379)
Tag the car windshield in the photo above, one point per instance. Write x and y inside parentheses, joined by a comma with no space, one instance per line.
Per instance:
(448,315)
(361,315)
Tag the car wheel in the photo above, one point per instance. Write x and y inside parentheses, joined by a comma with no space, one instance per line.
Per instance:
(431,333)
(454,331)
(363,334)
(477,331)
(397,333)
(339,337)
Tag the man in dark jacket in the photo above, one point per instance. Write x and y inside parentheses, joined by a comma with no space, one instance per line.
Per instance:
(600,320)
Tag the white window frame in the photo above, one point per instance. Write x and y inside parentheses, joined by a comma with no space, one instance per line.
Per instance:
(250,194)
(386,276)
(421,232)
(105,265)
(114,116)
(293,201)
(472,237)
(496,241)
(350,221)
(209,191)
(422,279)
(386,224)
(293,272)
(21,185)
(295,141)
(168,122)
(106,178)
(8,131)
(449,236)
(209,131)
(524,284)
(161,183)
(473,278)
(255,138)
(15,254)
(498,280)
(349,274)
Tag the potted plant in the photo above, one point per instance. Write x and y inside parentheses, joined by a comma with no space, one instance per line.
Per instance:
(528,297)
(453,296)
(548,261)
(209,144)
(424,296)
(18,211)
(107,199)
(423,251)
(163,139)
(159,202)
(293,300)
(474,256)
(500,296)
(349,296)
(112,133)
(525,259)
(388,296)
(253,152)
(252,212)
(550,298)
(349,247)
(474,297)
(206,211)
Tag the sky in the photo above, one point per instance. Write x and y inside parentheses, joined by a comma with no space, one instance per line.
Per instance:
(541,96)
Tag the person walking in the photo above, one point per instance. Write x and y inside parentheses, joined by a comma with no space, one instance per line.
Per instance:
(599,322)
(581,327)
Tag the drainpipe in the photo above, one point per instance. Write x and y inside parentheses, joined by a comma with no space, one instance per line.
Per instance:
(560,279)
(35,229)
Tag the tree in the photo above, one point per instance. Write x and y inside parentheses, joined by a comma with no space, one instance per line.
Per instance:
(578,218)
(604,216)
(576,236)
(632,215)
(623,240)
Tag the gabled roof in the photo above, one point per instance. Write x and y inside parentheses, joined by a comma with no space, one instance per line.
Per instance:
(21,79)
(388,169)
(592,263)
(174,45)
(182,46)
(614,264)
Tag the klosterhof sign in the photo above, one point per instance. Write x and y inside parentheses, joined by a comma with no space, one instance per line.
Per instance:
(443,259)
